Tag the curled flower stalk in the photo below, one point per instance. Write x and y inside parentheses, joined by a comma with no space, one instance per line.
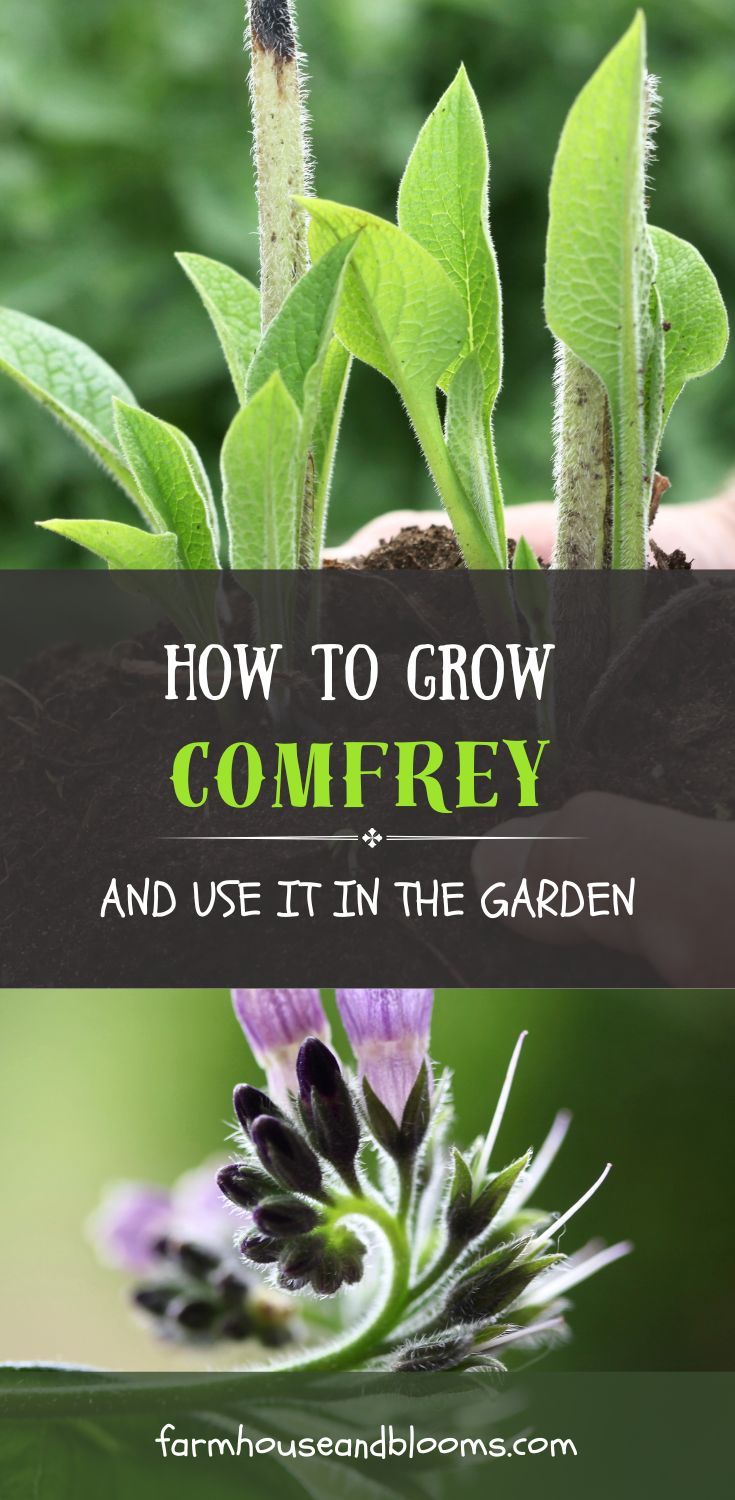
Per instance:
(353,1205)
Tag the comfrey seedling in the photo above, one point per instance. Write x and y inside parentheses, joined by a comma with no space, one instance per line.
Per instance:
(635,313)
(397,1249)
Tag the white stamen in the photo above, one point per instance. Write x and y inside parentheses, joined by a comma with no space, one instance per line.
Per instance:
(547,1234)
(541,1162)
(497,1118)
(557,1284)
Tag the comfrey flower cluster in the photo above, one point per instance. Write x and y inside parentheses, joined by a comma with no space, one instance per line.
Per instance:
(345,1179)
(348,1182)
(189,1285)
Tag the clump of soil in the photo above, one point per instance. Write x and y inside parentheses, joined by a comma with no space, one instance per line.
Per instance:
(432,547)
(412,547)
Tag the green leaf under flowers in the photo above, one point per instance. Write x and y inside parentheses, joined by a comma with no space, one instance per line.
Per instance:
(120,546)
(233,304)
(461,1185)
(172,482)
(467,434)
(600,265)
(260,478)
(443,204)
(691,305)
(72,382)
(399,312)
(524,557)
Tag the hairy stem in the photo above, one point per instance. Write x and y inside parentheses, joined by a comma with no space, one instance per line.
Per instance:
(583,476)
(281,149)
(475,545)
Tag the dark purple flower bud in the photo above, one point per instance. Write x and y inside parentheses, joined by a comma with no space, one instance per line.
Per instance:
(284,1218)
(230,1288)
(326,1275)
(238,1326)
(243,1185)
(275,1023)
(260,1250)
(297,1262)
(287,1156)
(155,1300)
(193,1314)
(250,1102)
(196,1262)
(326,1105)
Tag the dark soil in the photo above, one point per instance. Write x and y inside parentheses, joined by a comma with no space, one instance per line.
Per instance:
(412,547)
(436,547)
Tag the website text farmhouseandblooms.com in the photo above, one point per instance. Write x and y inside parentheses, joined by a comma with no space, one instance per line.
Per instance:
(389,1442)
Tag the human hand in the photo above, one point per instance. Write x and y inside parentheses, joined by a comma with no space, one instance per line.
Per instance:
(704,529)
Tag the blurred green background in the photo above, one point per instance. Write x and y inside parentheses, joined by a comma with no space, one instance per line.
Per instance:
(98,1085)
(124,136)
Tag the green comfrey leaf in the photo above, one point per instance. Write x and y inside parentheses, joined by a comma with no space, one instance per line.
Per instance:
(468,440)
(172,483)
(600,266)
(693,312)
(400,313)
(314,366)
(524,557)
(120,546)
(332,392)
(260,477)
(443,203)
(233,304)
(298,338)
(72,382)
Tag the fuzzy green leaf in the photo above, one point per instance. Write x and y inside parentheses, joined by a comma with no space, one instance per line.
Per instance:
(467,434)
(260,476)
(71,381)
(233,305)
(443,204)
(172,482)
(524,557)
(120,546)
(333,389)
(692,307)
(399,312)
(313,365)
(600,264)
(461,1185)
(298,338)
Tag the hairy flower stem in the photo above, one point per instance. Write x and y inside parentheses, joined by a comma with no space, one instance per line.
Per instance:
(583,470)
(281,150)
(352,1353)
